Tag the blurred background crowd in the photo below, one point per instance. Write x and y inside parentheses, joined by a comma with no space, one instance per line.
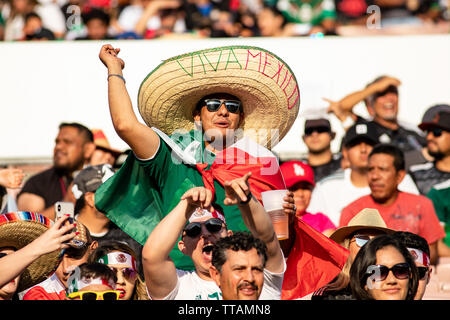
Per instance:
(149,19)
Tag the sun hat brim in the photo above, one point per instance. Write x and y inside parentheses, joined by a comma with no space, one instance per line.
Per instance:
(263,82)
(17,230)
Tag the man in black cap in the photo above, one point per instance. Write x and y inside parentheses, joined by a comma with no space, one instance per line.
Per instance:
(381,99)
(335,192)
(437,132)
(317,137)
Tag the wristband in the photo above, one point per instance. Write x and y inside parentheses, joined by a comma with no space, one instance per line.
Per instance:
(249,197)
(116,75)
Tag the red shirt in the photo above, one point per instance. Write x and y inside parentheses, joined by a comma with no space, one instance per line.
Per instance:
(409,212)
(49,289)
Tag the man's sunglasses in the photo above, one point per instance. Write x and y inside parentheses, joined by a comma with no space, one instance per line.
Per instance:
(232,106)
(310,131)
(437,132)
(361,240)
(194,229)
(94,295)
(380,272)
(422,272)
(128,273)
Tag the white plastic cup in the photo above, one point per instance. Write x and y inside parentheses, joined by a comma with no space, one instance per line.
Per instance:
(273,203)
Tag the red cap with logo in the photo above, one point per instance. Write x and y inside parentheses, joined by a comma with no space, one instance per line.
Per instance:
(296,171)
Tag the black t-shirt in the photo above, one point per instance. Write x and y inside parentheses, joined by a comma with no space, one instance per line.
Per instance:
(49,184)
(426,176)
(403,138)
(327,169)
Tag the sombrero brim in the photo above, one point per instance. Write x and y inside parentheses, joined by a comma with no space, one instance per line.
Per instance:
(20,229)
(263,82)
(342,233)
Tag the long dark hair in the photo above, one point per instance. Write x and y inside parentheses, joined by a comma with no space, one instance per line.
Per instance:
(367,256)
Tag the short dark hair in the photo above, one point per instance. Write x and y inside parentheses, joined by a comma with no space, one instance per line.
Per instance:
(239,241)
(95,270)
(81,128)
(392,150)
(412,240)
(367,256)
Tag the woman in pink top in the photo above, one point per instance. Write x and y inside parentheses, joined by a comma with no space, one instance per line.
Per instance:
(299,178)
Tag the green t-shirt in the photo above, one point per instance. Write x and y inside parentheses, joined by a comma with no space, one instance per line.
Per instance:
(440,195)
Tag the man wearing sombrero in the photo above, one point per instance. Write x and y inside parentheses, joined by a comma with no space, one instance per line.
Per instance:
(203,113)
(209,116)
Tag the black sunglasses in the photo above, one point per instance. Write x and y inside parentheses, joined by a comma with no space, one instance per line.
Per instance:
(310,131)
(232,106)
(194,229)
(422,272)
(437,132)
(380,272)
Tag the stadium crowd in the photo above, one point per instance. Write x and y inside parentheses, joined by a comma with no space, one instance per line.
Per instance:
(150,19)
(381,204)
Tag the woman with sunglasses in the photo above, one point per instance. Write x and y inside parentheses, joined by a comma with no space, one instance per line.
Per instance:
(121,259)
(384,270)
(92,281)
(366,225)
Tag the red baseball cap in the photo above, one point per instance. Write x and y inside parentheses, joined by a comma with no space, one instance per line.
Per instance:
(296,171)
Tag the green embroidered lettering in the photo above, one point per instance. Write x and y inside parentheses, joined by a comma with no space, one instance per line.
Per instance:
(232,61)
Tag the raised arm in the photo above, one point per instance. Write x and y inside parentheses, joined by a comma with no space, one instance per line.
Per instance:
(256,219)
(344,106)
(53,239)
(159,269)
(142,139)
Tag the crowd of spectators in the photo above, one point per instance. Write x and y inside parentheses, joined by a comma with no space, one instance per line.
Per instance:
(400,173)
(150,19)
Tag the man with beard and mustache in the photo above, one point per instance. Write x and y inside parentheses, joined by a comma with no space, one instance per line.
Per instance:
(73,148)
(437,132)
(402,211)
(200,227)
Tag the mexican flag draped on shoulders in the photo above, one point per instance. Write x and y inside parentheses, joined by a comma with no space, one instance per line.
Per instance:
(143,191)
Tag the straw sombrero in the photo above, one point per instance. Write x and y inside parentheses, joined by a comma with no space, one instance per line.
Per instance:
(19,229)
(365,219)
(263,82)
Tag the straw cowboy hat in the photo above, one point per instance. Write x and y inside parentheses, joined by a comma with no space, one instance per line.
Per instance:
(263,82)
(18,229)
(365,219)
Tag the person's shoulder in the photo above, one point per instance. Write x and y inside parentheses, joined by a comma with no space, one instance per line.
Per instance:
(421,167)
(413,198)
(336,176)
(442,185)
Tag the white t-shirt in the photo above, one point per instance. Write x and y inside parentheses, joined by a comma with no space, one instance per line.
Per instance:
(336,191)
(191,287)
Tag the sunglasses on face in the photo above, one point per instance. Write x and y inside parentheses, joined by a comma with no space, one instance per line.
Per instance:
(310,131)
(380,272)
(194,229)
(93,295)
(233,106)
(361,240)
(422,272)
(437,132)
(128,273)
